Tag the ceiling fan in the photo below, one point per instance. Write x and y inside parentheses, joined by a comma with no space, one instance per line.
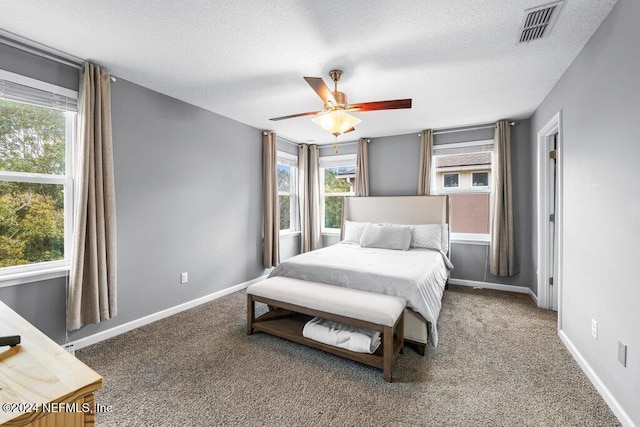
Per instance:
(334,118)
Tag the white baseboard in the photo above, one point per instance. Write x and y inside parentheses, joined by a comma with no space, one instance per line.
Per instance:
(126,327)
(496,286)
(615,406)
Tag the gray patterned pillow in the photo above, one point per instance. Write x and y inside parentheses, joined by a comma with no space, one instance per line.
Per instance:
(427,236)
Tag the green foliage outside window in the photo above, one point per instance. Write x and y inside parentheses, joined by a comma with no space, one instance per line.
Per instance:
(32,140)
(333,204)
(285,212)
(333,212)
(284,177)
(333,184)
(284,184)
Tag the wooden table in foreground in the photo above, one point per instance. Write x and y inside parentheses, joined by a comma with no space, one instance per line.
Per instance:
(41,384)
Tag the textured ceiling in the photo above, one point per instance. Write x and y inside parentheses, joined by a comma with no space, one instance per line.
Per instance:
(245,59)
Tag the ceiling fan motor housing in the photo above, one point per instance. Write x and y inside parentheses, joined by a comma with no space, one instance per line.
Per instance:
(341,99)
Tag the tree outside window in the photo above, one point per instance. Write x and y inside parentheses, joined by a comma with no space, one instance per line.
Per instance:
(32,183)
(284,196)
(337,184)
(338,176)
(287,170)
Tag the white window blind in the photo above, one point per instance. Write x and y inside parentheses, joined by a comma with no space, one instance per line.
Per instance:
(287,159)
(463,148)
(13,91)
(338,161)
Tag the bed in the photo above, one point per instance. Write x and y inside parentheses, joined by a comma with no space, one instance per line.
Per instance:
(419,275)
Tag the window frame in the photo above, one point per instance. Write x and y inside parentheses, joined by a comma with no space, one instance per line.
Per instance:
(444,181)
(18,274)
(327,162)
(291,160)
(481,186)
(469,238)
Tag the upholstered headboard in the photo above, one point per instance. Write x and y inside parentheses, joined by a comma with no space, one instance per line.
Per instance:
(397,209)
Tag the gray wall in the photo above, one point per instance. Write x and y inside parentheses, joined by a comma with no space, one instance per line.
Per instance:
(393,169)
(188,198)
(394,164)
(599,96)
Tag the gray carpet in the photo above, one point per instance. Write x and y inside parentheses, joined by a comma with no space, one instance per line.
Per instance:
(499,363)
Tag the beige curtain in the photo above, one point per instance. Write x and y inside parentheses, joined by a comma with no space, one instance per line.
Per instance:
(271,250)
(362,168)
(309,197)
(92,286)
(502,260)
(426,146)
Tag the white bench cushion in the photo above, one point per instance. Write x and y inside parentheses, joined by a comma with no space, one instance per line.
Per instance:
(368,306)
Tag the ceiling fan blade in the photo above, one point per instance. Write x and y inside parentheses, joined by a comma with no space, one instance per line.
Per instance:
(381,105)
(309,113)
(321,89)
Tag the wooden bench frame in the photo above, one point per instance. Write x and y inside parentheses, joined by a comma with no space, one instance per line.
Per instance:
(287,321)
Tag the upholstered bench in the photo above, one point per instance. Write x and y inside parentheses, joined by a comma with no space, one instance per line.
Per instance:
(294,302)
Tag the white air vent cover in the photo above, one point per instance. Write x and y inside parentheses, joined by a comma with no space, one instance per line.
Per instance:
(538,21)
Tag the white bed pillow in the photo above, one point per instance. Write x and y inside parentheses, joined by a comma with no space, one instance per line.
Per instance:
(386,237)
(353,231)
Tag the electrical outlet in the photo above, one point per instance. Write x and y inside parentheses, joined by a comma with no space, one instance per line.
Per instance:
(622,353)
(594,328)
(70,348)
(184,277)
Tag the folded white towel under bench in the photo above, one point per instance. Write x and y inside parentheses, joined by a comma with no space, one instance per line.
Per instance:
(340,335)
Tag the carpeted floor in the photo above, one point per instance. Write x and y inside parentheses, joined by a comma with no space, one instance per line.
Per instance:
(499,363)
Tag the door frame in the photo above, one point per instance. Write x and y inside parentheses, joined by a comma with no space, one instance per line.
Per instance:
(544,141)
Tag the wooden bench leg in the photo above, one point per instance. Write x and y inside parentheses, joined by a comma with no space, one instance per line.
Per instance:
(387,353)
(251,314)
(400,332)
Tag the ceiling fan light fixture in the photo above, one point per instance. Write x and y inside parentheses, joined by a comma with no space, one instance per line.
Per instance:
(336,122)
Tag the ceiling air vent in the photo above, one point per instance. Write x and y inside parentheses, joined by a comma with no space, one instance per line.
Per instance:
(538,21)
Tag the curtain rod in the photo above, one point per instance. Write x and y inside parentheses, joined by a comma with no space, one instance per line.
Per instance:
(39,49)
(297,144)
(456,130)
(340,144)
(287,141)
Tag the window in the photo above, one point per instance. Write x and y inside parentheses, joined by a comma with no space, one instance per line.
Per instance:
(338,178)
(287,191)
(37,137)
(451,180)
(480,179)
(463,171)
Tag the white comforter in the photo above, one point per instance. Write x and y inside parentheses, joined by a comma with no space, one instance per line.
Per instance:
(417,275)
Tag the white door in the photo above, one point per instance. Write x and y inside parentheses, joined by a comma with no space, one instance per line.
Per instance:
(553,244)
